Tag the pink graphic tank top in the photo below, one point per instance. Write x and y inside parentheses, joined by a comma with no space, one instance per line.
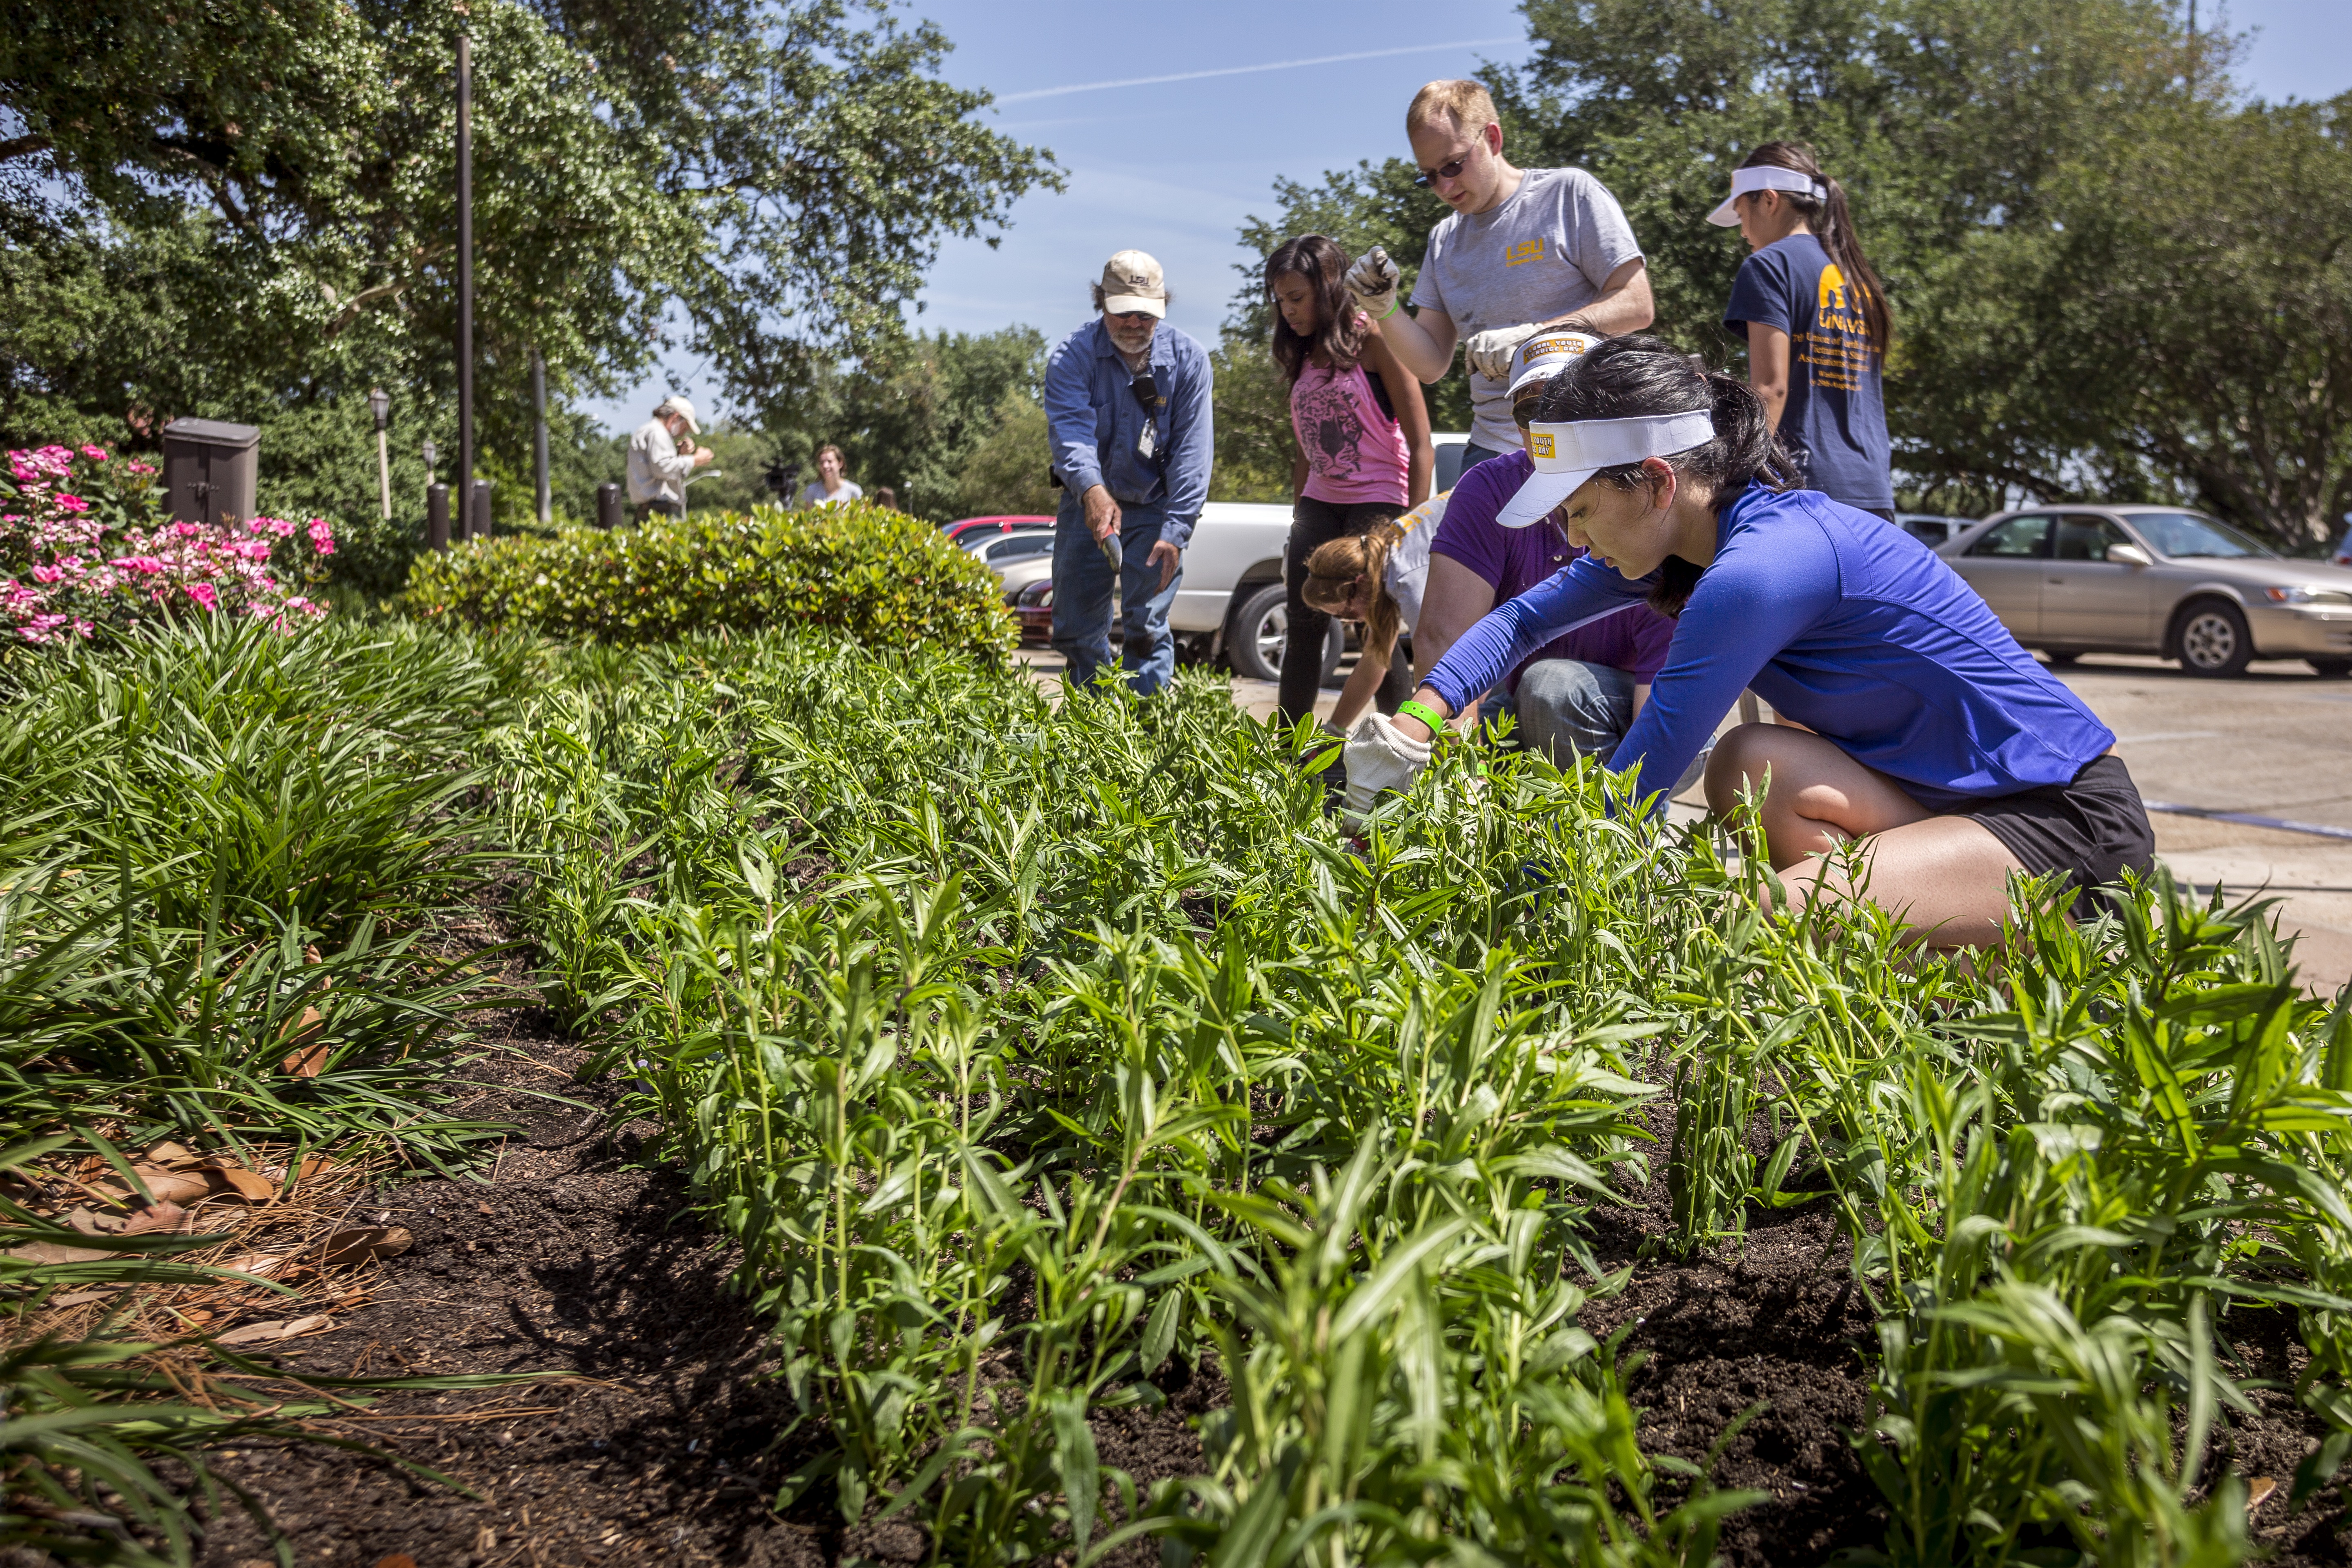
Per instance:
(1354,451)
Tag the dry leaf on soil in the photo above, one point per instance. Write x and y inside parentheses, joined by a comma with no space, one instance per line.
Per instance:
(365,1244)
(265,1333)
(2258,1491)
(51,1252)
(246,1184)
(164,1217)
(167,1184)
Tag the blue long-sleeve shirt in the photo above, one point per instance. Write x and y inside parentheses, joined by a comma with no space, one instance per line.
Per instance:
(1852,628)
(1094,421)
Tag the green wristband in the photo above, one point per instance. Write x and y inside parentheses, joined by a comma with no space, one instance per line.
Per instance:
(1394,306)
(1414,708)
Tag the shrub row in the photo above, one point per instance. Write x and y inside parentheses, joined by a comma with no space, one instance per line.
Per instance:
(860,570)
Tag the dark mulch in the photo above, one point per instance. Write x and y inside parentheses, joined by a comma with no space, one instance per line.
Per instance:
(661,1446)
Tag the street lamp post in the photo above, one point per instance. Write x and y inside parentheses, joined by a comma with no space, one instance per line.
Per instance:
(539,421)
(380,406)
(465,279)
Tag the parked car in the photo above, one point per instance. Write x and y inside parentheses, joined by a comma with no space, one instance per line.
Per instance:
(2343,556)
(963,531)
(1932,529)
(2070,580)
(998,550)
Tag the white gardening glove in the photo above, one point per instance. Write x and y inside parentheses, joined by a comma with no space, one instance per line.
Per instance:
(1373,281)
(1379,757)
(1489,352)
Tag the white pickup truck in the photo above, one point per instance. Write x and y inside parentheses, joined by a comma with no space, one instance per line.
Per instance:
(1231,604)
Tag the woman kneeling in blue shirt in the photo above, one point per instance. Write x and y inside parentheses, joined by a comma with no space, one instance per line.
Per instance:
(1934,737)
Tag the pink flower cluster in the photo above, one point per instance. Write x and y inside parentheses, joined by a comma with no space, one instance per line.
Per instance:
(71,564)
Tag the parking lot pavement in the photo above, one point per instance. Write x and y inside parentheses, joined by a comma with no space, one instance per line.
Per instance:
(2276,743)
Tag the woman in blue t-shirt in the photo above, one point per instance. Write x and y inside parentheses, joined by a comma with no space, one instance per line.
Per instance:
(1930,736)
(1816,323)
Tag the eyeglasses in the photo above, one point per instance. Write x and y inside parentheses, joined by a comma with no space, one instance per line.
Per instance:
(1132,318)
(1447,170)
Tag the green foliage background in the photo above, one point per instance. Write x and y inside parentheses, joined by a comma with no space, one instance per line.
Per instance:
(2113,275)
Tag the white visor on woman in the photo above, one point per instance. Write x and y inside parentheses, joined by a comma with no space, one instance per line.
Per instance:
(1567,455)
(1764,177)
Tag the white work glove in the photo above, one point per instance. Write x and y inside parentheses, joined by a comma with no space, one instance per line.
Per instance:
(1489,352)
(1373,281)
(1379,757)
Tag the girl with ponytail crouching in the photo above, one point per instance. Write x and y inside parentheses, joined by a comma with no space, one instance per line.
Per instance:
(1930,738)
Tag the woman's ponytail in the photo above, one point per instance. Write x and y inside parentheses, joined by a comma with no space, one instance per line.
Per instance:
(1337,564)
(1831,221)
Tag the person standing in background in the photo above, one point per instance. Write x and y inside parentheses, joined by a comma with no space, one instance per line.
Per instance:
(1524,249)
(658,466)
(1816,322)
(831,487)
(1128,419)
(1364,455)
(885,496)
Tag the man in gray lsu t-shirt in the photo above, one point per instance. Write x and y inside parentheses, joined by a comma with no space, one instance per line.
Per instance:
(1524,249)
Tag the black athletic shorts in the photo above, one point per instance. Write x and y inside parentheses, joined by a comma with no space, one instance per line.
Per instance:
(2093,829)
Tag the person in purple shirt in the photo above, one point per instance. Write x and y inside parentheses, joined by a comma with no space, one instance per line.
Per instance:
(1579,693)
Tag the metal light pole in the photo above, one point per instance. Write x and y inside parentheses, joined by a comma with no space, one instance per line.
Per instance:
(539,416)
(464,275)
(380,406)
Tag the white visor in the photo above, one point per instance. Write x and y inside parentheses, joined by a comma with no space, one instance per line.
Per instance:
(1764,177)
(1567,455)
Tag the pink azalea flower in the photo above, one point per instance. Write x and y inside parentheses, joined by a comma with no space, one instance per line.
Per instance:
(322,537)
(147,563)
(204,593)
(71,503)
(95,454)
(46,573)
(143,468)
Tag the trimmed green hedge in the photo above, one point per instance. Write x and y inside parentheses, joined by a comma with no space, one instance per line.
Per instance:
(872,573)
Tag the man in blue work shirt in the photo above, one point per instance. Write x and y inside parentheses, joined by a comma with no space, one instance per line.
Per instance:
(1126,413)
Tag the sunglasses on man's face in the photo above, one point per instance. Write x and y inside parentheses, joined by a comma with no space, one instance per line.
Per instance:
(1133,318)
(1452,171)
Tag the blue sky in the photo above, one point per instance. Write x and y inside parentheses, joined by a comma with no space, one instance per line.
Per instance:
(1173,166)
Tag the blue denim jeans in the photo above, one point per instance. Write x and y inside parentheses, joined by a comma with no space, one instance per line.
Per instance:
(1083,587)
(1473,454)
(1567,708)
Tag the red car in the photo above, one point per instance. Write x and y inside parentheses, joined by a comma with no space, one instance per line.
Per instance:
(965,528)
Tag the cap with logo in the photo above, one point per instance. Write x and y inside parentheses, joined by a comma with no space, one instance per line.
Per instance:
(1764,177)
(1566,454)
(1537,361)
(1133,282)
(682,408)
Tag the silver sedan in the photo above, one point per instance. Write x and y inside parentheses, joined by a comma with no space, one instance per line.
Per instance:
(2070,580)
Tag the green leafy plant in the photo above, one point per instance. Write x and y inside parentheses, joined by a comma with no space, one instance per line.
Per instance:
(858,570)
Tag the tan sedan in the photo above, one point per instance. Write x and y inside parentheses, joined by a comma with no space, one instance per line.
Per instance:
(2070,580)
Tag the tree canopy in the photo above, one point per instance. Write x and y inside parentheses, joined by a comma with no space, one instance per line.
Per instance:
(2111,273)
(248,208)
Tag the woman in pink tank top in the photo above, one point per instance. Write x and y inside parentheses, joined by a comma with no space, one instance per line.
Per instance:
(1364,454)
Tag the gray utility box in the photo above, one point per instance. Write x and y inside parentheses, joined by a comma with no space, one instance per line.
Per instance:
(210,468)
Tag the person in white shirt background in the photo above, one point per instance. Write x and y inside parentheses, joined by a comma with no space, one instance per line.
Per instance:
(659,465)
(831,487)
(1524,250)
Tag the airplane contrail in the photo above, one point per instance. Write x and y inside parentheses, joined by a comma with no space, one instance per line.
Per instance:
(1246,70)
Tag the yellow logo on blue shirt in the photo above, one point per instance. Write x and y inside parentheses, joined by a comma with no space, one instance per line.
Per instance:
(1526,250)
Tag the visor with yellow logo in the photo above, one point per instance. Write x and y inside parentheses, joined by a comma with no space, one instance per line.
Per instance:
(1567,455)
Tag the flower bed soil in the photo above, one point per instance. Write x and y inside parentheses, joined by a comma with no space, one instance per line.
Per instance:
(659,1445)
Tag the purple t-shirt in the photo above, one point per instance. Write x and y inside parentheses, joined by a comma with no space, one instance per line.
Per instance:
(1512,559)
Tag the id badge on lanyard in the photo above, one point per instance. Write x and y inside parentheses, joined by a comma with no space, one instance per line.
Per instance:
(1145,442)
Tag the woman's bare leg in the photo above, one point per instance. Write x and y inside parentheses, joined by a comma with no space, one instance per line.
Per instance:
(1946,877)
